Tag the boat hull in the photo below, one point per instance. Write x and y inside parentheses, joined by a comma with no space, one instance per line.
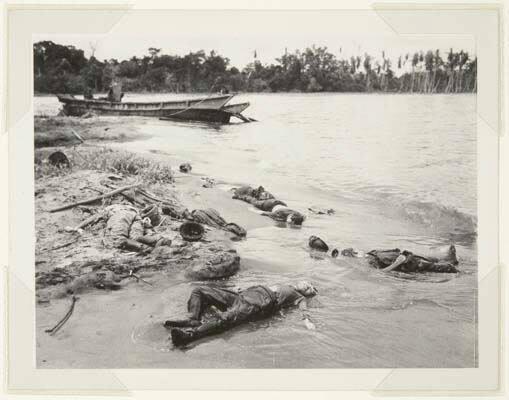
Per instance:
(78,107)
(199,115)
(208,109)
(235,108)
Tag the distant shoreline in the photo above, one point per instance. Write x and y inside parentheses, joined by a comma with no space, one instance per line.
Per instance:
(377,92)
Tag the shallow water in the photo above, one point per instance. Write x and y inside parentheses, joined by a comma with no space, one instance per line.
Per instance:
(400,171)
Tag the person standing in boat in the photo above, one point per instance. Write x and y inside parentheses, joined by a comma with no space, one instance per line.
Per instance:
(115,93)
(87,94)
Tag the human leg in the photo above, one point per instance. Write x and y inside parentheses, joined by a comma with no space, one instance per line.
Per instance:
(205,296)
(241,312)
(201,298)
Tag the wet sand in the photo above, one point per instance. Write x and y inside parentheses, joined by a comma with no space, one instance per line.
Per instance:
(361,315)
(131,317)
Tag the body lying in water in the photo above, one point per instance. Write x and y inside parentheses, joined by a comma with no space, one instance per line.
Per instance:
(285,214)
(444,259)
(406,261)
(272,207)
(236,308)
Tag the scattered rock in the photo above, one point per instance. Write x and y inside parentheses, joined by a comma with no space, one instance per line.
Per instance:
(186,167)
(221,265)
(209,183)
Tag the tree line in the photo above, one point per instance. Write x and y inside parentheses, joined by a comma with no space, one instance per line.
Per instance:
(65,69)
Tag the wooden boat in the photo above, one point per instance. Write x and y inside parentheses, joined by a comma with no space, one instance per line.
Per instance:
(209,109)
(77,107)
(222,115)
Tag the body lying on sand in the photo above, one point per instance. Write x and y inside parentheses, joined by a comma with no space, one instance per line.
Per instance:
(128,227)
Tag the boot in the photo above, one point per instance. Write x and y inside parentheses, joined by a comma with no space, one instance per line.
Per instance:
(182,323)
(180,337)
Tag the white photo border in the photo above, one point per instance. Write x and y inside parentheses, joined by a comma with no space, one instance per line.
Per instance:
(483,22)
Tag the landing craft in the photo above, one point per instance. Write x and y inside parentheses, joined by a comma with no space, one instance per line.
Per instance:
(208,109)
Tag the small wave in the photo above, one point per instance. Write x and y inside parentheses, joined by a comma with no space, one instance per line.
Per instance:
(441,218)
(446,220)
(427,302)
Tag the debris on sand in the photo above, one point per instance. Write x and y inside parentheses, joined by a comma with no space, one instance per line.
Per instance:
(209,182)
(220,265)
(321,211)
(75,253)
(186,167)
(66,317)
(96,198)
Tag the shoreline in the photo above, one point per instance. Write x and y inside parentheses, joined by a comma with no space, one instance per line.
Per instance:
(69,265)
(90,173)
(378,92)
(129,313)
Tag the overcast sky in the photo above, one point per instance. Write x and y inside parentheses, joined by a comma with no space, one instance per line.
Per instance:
(237,35)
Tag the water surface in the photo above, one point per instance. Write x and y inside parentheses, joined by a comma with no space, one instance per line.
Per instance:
(399,170)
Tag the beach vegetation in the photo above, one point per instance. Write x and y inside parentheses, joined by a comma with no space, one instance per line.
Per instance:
(105,159)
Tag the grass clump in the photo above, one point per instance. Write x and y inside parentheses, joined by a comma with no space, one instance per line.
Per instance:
(57,131)
(107,160)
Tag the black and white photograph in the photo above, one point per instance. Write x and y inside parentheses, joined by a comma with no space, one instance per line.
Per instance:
(277,195)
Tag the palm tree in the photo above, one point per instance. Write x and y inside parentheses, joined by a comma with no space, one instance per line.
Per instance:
(429,65)
(451,65)
(415,60)
(367,68)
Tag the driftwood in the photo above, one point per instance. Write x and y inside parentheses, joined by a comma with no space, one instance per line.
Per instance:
(132,275)
(127,196)
(153,198)
(57,327)
(123,265)
(77,136)
(61,246)
(94,199)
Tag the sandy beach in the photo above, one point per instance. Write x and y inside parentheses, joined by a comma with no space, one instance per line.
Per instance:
(58,279)
(361,315)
